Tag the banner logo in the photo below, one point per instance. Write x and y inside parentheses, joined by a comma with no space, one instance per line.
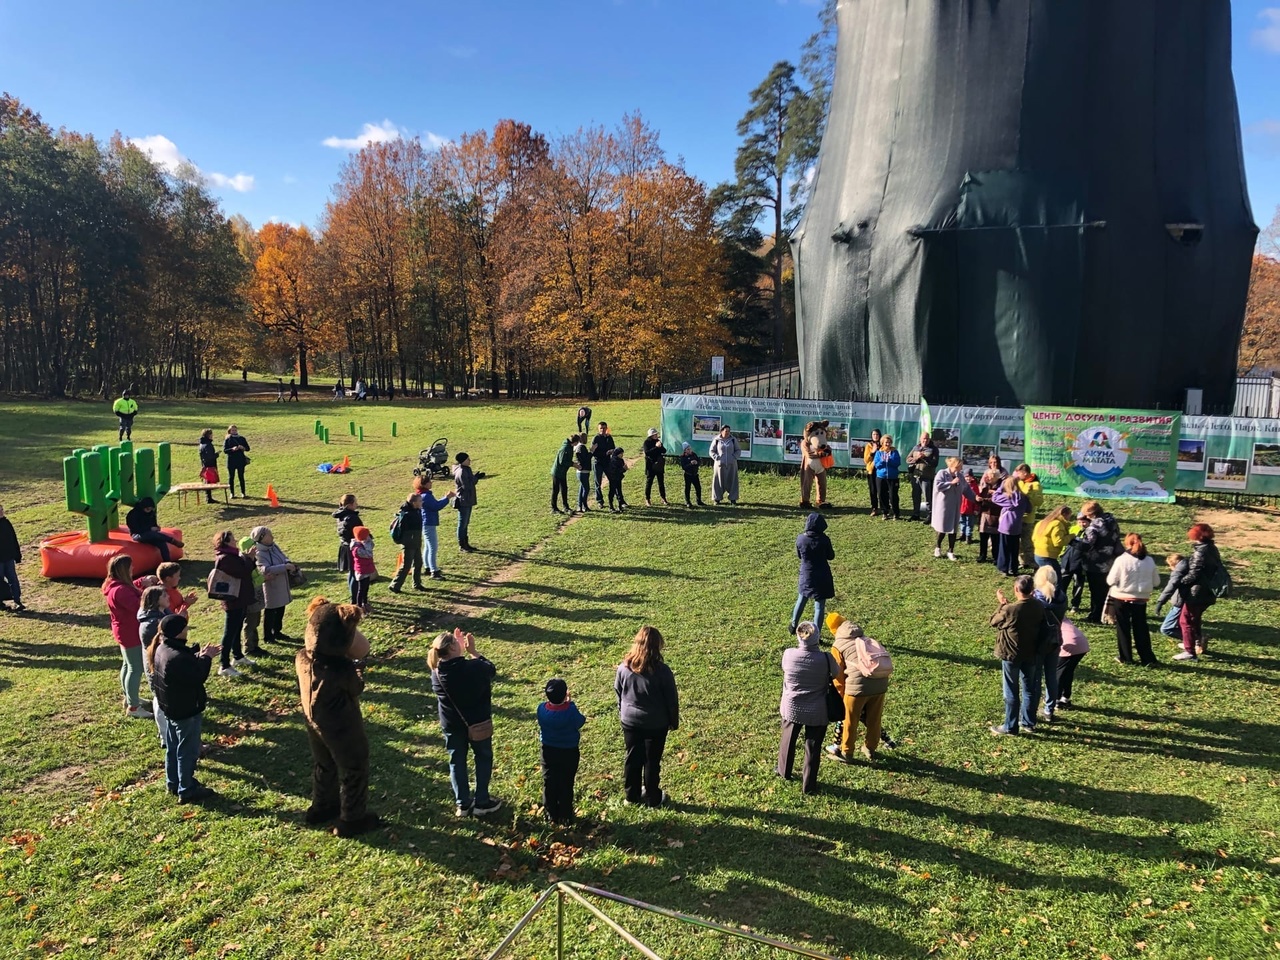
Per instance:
(1098,453)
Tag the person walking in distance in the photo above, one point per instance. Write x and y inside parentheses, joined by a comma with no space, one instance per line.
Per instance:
(293,389)
(236,448)
(601,444)
(125,408)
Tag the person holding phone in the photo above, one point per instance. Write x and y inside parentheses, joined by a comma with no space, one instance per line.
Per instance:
(463,684)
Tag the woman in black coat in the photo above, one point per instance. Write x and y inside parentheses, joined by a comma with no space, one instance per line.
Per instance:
(814,549)
(208,462)
(235,447)
(1195,589)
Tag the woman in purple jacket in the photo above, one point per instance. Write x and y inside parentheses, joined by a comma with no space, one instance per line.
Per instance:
(1013,506)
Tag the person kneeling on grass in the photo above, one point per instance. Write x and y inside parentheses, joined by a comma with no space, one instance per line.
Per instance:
(863,680)
(1017,645)
(178,674)
(331,679)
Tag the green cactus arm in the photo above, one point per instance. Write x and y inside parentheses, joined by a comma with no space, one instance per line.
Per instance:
(144,474)
(163,472)
(73,485)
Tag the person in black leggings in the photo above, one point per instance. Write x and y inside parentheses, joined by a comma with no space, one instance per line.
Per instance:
(235,447)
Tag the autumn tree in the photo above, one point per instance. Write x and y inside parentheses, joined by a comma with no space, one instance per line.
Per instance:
(1260,339)
(285,292)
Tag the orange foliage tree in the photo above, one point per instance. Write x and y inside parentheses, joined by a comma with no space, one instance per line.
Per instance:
(284,293)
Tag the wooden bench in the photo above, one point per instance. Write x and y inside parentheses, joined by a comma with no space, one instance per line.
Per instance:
(182,489)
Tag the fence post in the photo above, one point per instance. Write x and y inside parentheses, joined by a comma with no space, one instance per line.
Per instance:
(559,924)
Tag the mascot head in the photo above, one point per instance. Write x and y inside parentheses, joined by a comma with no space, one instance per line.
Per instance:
(815,434)
(333,630)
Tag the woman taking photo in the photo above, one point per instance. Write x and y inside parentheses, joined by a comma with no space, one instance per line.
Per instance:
(869,458)
(1099,545)
(235,447)
(1049,537)
(124,597)
(949,489)
(208,462)
(887,463)
(463,684)
(649,708)
(1195,588)
(807,672)
(1132,579)
(989,515)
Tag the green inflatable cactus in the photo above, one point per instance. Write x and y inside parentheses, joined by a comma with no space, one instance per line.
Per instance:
(97,481)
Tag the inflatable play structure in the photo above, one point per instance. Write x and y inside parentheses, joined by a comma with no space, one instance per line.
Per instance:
(96,483)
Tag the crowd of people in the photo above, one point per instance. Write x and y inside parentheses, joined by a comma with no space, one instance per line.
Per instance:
(1038,643)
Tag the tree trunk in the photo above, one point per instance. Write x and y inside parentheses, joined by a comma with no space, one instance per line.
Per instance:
(302,364)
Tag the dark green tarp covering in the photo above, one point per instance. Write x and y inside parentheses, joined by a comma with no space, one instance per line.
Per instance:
(1027,201)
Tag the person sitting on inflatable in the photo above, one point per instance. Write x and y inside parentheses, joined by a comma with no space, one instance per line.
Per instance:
(143,528)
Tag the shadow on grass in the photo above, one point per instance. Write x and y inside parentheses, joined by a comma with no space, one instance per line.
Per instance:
(58,656)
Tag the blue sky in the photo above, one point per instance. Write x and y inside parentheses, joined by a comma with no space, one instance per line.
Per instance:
(250,92)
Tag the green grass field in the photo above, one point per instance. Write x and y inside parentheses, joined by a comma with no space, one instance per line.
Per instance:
(1142,823)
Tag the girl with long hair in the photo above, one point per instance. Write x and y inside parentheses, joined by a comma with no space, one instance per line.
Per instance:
(649,708)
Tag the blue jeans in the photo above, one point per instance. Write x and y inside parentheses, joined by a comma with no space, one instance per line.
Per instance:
(584,489)
(1048,669)
(131,674)
(181,751)
(819,607)
(9,573)
(464,523)
(456,745)
(1007,556)
(1047,562)
(966,526)
(1021,691)
(597,468)
(1170,626)
(430,548)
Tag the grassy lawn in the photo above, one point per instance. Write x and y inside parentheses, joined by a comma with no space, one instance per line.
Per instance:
(1142,824)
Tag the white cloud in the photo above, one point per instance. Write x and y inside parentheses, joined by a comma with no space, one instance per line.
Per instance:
(1268,36)
(383,132)
(165,153)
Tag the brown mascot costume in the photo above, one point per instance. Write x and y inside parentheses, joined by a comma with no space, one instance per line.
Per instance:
(331,682)
(812,450)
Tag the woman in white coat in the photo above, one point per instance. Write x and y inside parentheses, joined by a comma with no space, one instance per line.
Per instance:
(949,488)
(276,569)
(1133,578)
(724,474)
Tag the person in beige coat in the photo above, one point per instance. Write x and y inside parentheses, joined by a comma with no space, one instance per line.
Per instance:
(861,693)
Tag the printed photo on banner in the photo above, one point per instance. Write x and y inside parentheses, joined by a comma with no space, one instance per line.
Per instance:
(838,435)
(1266,459)
(744,441)
(791,447)
(1012,444)
(947,440)
(768,431)
(1226,473)
(1191,455)
(975,455)
(858,452)
(705,427)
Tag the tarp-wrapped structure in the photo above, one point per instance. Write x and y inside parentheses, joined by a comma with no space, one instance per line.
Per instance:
(1027,201)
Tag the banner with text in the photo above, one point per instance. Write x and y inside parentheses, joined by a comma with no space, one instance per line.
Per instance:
(1104,454)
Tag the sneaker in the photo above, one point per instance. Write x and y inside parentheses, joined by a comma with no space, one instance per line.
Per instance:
(662,799)
(482,809)
(284,636)
(198,795)
(243,662)
(19,605)
(791,628)
(1003,731)
(937,553)
(317,815)
(951,556)
(353,828)
(834,750)
(867,753)
(139,712)
(228,672)
(393,588)
(887,740)
(437,575)
(1184,656)
(1048,715)
(460,811)
(1064,703)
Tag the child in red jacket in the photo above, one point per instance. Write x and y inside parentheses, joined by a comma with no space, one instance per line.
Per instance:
(969,508)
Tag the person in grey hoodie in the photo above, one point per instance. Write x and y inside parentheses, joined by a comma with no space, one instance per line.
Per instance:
(807,672)
(649,708)
(725,451)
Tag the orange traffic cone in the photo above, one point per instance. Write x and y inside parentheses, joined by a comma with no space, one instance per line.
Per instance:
(346,464)
(271,496)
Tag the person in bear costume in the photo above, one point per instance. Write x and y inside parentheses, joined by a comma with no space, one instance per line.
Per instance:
(331,682)
(812,449)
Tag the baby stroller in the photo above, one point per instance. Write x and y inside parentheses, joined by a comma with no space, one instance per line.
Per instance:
(434,461)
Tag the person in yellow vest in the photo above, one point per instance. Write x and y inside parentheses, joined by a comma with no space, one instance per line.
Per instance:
(1029,485)
(125,409)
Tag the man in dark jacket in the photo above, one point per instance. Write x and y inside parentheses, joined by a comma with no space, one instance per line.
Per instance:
(560,475)
(178,677)
(464,483)
(655,467)
(409,526)
(10,557)
(815,551)
(141,521)
(922,465)
(1017,646)
(601,444)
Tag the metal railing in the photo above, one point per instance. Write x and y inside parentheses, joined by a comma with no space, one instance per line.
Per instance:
(575,891)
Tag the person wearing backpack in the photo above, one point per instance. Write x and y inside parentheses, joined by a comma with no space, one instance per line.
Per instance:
(1017,627)
(807,673)
(1205,570)
(406,531)
(863,680)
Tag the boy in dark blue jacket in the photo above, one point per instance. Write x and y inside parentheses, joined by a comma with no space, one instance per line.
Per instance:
(559,730)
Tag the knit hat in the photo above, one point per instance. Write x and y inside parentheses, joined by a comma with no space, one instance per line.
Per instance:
(461,457)
(556,690)
(257,533)
(833,621)
(686,446)
(173,625)
(807,633)
(653,432)
(247,543)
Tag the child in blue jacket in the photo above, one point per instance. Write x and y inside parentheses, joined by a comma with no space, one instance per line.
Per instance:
(559,730)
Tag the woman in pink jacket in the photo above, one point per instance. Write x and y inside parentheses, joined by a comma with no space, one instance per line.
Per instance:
(123,598)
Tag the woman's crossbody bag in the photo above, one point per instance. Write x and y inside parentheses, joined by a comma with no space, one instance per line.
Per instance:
(475,731)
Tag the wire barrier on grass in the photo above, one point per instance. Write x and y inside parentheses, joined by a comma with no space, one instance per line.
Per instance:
(566,892)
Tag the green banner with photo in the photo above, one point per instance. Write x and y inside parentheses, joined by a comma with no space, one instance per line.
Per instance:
(1104,454)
